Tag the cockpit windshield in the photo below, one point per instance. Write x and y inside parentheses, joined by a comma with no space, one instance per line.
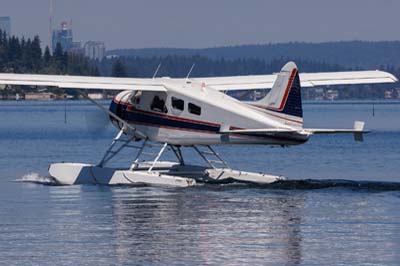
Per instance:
(135,99)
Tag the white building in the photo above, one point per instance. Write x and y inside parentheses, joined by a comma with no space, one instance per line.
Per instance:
(397,90)
(388,94)
(5,25)
(96,96)
(332,95)
(95,50)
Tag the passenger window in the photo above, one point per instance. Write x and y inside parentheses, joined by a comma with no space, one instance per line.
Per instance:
(158,105)
(194,109)
(177,103)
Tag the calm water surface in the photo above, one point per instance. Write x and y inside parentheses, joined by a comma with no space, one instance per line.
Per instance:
(339,207)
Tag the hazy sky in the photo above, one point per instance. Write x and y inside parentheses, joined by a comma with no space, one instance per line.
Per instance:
(208,23)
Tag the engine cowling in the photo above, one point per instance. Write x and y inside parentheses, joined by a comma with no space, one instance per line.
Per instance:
(118,106)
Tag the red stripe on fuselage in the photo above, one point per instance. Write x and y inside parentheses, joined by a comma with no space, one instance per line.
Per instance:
(274,115)
(265,108)
(242,136)
(132,108)
(284,118)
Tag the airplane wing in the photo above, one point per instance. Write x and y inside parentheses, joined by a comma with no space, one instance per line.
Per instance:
(218,83)
(307,80)
(82,82)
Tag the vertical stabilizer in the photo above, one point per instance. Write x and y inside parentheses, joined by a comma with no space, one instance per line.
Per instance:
(285,95)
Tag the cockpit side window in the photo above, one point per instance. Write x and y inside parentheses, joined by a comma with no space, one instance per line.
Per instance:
(158,105)
(194,109)
(177,103)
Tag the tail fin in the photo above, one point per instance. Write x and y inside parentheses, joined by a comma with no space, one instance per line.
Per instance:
(285,95)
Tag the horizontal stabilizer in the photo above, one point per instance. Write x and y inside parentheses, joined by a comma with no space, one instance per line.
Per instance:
(358,131)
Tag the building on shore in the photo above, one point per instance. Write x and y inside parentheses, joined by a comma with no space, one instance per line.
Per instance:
(40,96)
(332,95)
(95,50)
(96,95)
(76,49)
(388,94)
(397,92)
(64,36)
(5,25)
(11,97)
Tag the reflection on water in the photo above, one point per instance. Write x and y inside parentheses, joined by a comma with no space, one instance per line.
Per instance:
(208,229)
(205,225)
(200,226)
(209,225)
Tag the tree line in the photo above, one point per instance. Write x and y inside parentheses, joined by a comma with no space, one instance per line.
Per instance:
(354,54)
(178,66)
(21,55)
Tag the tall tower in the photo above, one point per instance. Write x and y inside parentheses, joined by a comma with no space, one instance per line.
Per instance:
(51,10)
(5,25)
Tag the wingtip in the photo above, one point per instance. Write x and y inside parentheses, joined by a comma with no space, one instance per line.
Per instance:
(392,77)
(359,125)
(359,131)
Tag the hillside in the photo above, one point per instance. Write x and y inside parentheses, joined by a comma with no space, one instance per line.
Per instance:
(354,54)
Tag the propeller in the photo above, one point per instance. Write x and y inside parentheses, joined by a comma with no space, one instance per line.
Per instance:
(107,112)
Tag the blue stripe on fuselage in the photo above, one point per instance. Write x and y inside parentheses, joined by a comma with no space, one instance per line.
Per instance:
(137,116)
(160,120)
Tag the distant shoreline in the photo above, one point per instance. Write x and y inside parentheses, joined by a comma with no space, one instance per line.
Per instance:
(354,101)
(305,102)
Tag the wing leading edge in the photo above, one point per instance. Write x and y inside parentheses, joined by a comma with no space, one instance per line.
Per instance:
(218,83)
(81,82)
(307,80)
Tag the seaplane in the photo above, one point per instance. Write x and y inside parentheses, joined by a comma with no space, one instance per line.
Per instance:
(195,113)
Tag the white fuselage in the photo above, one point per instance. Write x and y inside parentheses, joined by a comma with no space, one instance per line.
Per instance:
(193,114)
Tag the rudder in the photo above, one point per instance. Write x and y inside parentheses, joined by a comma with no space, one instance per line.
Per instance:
(285,95)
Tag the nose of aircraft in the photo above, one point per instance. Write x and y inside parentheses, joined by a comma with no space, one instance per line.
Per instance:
(118,106)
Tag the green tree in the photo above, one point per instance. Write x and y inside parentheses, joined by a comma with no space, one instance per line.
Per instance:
(36,54)
(2,50)
(119,69)
(95,72)
(47,56)
(60,60)
(78,65)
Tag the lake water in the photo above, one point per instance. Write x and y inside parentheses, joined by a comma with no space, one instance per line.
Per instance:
(340,206)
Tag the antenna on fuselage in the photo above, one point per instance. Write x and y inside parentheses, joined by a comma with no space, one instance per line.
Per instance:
(190,72)
(156,72)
